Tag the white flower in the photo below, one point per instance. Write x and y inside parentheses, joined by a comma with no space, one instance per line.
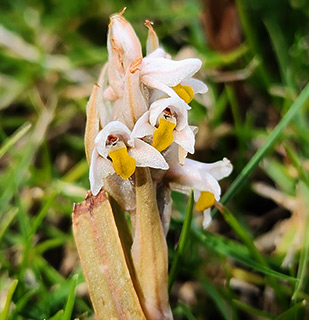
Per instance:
(166,75)
(203,179)
(172,77)
(134,81)
(116,152)
(167,122)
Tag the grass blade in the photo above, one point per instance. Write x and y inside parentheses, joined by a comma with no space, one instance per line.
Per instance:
(6,310)
(183,310)
(8,218)
(247,240)
(57,316)
(242,234)
(71,299)
(256,312)
(18,134)
(295,312)
(217,298)
(230,248)
(270,141)
(182,242)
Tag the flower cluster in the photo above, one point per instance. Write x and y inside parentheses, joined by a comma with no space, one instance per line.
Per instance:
(137,116)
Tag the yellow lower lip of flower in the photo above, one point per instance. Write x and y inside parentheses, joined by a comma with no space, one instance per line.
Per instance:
(163,135)
(123,164)
(185,92)
(206,200)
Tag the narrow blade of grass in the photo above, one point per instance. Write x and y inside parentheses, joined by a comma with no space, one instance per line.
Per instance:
(294,312)
(41,215)
(252,39)
(71,299)
(22,302)
(232,249)
(242,234)
(270,141)
(246,239)
(48,245)
(182,242)
(8,218)
(183,310)
(215,295)
(280,48)
(18,134)
(5,312)
(256,312)
(57,316)
(215,59)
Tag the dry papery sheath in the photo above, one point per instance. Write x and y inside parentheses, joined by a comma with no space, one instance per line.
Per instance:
(137,140)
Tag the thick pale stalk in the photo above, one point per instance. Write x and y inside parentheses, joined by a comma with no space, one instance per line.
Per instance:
(103,261)
(149,250)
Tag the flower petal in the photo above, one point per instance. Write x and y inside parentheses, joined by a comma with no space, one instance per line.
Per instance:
(198,86)
(207,219)
(123,164)
(178,106)
(218,170)
(100,168)
(147,156)
(184,178)
(185,138)
(142,127)
(169,72)
(156,84)
(116,128)
(159,53)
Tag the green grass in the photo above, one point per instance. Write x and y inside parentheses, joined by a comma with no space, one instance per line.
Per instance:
(256,114)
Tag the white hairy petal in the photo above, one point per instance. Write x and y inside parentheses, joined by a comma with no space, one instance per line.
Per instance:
(147,156)
(142,127)
(100,168)
(219,169)
(176,104)
(185,138)
(159,53)
(198,86)
(207,219)
(184,178)
(153,83)
(115,128)
(169,72)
